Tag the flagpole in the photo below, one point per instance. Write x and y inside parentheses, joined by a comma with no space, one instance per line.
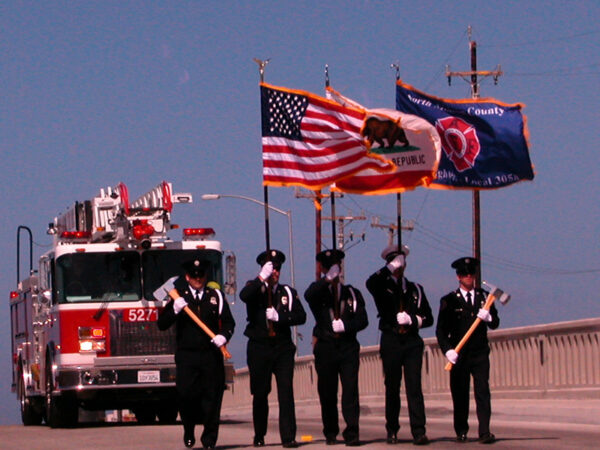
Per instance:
(331,193)
(475,203)
(403,329)
(336,302)
(396,66)
(261,70)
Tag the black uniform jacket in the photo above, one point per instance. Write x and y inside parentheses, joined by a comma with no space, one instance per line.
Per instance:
(456,317)
(352,310)
(189,335)
(388,296)
(290,310)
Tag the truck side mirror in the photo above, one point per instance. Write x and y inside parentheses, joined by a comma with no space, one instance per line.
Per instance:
(230,276)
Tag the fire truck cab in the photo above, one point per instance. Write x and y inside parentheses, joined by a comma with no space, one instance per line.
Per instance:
(83,325)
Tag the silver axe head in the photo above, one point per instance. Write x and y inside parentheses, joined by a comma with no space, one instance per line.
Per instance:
(163,291)
(499,294)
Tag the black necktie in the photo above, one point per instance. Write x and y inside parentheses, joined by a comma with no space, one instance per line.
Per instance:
(469,298)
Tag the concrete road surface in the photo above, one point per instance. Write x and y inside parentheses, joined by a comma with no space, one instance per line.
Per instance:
(517,424)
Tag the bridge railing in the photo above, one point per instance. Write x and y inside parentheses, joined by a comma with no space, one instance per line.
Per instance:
(558,359)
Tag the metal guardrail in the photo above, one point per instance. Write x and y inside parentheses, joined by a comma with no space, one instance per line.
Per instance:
(554,360)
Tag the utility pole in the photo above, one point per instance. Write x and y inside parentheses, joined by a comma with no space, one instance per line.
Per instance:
(340,237)
(391,228)
(473,81)
(316,197)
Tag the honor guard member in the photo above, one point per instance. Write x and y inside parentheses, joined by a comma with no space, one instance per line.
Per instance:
(270,349)
(458,311)
(340,313)
(403,309)
(200,378)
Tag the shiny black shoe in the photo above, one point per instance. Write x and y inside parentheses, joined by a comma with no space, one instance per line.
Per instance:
(188,439)
(290,444)
(487,438)
(259,441)
(330,441)
(353,443)
(462,437)
(421,440)
(392,438)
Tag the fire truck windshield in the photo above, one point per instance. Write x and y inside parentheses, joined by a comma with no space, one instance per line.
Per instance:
(98,277)
(160,265)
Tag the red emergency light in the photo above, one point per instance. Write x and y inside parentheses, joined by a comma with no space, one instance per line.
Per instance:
(75,235)
(14,294)
(188,232)
(142,230)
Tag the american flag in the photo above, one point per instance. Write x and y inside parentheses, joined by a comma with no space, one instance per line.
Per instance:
(310,141)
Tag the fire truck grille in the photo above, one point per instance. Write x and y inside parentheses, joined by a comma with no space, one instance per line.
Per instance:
(139,338)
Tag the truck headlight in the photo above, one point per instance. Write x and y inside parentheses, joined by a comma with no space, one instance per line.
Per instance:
(92,339)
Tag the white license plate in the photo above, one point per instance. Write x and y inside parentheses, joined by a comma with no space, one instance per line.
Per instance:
(148,376)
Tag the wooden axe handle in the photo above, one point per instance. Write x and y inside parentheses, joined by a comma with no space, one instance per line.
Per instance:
(488,304)
(174,294)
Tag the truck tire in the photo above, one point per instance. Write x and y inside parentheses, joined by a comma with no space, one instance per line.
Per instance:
(30,412)
(167,412)
(145,414)
(62,410)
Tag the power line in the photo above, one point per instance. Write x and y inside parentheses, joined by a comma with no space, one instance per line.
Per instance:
(432,239)
(493,260)
(529,43)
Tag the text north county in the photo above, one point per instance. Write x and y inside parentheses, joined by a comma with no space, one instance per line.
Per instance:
(471,110)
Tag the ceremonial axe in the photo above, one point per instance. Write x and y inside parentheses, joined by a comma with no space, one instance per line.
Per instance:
(494,294)
(168,288)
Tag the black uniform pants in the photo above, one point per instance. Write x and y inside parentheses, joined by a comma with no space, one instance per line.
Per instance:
(477,364)
(200,382)
(265,359)
(398,352)
(332,359)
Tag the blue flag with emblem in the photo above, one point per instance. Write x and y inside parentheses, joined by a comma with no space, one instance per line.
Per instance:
(484,141)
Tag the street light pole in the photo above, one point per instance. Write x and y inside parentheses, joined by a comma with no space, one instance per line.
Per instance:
(287,213)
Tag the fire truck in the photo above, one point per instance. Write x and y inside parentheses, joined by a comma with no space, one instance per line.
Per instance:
(83,325)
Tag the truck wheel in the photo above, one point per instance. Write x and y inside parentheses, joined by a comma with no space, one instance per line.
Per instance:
(167,412)
(61,410)
(30,415)
(145,415)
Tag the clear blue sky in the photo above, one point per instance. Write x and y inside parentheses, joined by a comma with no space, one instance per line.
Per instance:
(98,92)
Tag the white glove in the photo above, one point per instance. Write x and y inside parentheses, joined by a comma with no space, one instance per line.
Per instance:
(219,340)
(266,271)
(484,315)
(338,326)
(396,263)
(179,304)
(452,356)
(272,314)
(333,273)
(403,318)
